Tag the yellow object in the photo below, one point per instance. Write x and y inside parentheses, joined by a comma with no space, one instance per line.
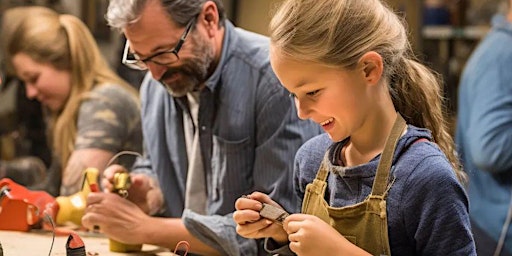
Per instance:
(122,183)
(72,208)
(116,246)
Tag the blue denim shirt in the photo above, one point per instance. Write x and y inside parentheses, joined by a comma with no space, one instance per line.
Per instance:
(484,129)
(249,133)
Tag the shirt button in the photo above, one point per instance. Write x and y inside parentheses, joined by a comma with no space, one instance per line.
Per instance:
(203,128)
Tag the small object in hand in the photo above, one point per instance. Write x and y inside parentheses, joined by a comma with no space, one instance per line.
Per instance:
(122,183)
(271,212)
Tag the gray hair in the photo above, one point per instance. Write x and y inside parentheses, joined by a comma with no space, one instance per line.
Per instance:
(120,13)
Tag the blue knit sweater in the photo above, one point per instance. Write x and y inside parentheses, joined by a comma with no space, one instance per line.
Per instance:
(427,207)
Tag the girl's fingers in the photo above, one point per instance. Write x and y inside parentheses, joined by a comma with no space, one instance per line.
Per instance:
(242,217)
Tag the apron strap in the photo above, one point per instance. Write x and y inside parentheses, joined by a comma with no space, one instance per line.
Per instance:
(381,177)
(323,171)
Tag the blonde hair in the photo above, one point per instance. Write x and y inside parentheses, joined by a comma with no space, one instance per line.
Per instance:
(10,22)
(64,42)
(338,33)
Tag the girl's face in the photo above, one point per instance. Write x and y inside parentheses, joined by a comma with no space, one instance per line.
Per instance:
(43,82)
(332,97)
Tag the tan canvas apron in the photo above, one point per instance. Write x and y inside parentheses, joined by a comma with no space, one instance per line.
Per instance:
(364,223)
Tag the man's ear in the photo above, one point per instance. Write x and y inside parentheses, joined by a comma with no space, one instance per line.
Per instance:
(372,67)
(210,17)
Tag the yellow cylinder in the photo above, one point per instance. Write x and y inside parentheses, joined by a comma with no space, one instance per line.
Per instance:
(116,246)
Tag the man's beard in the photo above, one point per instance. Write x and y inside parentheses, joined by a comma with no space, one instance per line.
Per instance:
(193,71)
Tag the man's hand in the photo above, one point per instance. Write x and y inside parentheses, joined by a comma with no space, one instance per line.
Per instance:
(117,217)
(143,191)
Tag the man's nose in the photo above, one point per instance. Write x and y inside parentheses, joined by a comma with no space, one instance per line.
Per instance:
(157,71)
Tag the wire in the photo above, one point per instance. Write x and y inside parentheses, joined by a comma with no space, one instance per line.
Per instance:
(185,244)
(126,152)
(133,153)
(504,230)
(49,218)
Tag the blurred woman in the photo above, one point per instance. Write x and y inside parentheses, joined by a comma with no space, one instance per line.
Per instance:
(92,113)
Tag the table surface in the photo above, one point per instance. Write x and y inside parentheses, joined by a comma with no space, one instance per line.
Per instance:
(36,243)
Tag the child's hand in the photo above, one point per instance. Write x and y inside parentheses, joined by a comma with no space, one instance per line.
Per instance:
(309,235)
(249,222)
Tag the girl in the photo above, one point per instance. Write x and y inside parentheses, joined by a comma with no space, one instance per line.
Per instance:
(384,179)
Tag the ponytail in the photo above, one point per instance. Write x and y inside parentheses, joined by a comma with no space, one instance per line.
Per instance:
(417,94)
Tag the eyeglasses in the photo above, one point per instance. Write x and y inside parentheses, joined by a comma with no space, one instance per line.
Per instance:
(165,58)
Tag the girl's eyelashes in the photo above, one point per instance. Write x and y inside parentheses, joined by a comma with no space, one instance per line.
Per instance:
(313,93)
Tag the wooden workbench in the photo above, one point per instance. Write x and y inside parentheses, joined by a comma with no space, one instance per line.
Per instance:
(36,243)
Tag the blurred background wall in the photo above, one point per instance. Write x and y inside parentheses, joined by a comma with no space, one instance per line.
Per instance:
(443,34)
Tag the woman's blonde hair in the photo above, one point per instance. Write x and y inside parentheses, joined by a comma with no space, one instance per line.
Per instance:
(338,33)
(64,42)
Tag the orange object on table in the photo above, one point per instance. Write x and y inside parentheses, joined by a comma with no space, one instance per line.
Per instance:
(20,208)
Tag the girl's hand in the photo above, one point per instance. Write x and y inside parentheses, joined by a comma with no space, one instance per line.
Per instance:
(249,222)
(309,235)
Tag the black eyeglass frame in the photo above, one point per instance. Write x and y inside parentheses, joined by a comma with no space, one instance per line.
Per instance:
(133,61)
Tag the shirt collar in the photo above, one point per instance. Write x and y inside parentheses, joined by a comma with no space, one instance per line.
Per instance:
(213,80)
(500,22)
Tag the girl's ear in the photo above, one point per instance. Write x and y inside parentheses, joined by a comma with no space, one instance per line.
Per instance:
(373,67)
